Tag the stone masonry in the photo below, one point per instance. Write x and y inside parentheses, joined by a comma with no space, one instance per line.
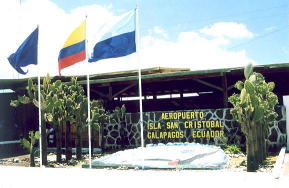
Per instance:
(127,133)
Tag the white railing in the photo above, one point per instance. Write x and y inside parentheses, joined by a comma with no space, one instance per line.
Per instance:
(9,142)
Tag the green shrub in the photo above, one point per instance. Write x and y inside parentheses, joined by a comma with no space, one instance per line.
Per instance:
(234,149)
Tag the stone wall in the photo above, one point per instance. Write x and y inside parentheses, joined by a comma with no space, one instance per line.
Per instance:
(159,129)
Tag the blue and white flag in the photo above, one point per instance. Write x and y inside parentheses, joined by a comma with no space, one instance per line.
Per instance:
(118,39)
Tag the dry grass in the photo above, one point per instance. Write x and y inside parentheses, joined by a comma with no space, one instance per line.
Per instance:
(238,163)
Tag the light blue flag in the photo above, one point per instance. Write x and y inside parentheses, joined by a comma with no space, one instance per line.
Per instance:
(118,40)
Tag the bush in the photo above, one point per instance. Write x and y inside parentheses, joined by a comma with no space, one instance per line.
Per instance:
(234,149)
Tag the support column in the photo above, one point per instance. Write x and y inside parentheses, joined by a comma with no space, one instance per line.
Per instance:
(225,90)
(286,104)
(110,98)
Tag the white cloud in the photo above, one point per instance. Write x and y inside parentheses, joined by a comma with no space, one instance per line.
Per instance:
(227,29)
(272,28)
(191,49)
(54,27)
(159,31)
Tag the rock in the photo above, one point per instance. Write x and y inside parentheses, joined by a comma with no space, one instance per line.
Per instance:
(122,168)
(208,156)
(72,162)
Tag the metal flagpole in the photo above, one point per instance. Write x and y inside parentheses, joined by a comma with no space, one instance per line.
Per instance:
(19,25)
(39,115)
(88,99)
(88,119)
(39,107)
(139,74)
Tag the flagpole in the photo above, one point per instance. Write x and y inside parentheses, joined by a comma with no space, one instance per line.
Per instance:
(88,99)
(20,24)
(39,111)
(88,120)
(39,117)
(139,74)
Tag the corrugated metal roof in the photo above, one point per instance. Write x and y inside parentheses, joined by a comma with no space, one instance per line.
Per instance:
(151,73)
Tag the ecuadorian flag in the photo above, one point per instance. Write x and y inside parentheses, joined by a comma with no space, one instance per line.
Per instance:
(73,50)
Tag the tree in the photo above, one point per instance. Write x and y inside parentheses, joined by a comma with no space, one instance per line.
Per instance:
(57,115)
(70,109)
(81,122)
(46,106)
(99,116)
(119,113)
(68,119)
(64,105)
(118,116)
(78,109)
(68,103)
(253,108)
(29,145)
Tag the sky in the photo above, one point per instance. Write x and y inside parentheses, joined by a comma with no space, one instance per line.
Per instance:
(194,34)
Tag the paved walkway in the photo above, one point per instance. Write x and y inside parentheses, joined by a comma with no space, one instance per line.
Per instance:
(285,167)
(11,177)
